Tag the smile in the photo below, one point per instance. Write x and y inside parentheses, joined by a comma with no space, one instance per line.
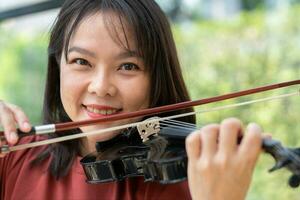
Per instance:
(102,111)
(96,111)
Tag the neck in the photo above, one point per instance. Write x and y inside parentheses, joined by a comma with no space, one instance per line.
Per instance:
(87,146)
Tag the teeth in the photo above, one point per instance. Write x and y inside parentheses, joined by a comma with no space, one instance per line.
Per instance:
(102,112)
(109,112)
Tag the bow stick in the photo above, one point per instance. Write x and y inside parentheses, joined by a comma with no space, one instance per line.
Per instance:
(51,128)
(6,148)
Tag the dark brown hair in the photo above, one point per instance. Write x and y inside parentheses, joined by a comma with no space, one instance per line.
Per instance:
(151,30)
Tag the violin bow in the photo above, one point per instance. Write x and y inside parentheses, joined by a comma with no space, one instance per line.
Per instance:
(51,128)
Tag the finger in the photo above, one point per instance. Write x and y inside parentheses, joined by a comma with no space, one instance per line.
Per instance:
(251,144)
(193,146)
(209,138)
(20,117)
(8,122)
(229,131)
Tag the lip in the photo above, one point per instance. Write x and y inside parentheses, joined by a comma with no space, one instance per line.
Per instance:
(102,107)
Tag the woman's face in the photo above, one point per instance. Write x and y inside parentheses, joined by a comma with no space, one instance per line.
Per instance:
(100,78)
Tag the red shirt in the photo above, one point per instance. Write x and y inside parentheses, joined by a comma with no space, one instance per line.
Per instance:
(21,180)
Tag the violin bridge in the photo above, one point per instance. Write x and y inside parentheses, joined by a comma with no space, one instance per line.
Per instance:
(150,127)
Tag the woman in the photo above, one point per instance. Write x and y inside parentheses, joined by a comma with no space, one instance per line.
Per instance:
(108,57)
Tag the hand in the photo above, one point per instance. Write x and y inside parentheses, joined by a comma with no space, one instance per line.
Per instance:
(218,167)
(10,115)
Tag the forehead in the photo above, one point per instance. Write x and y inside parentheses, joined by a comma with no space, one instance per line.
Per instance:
(103,26)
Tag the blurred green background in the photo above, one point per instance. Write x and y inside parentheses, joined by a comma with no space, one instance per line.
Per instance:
(257,45)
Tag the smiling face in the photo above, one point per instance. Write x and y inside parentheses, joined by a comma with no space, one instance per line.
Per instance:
(100,77)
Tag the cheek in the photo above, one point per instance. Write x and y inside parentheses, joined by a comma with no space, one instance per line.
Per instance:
(137,96)
(69,95)
(66,95)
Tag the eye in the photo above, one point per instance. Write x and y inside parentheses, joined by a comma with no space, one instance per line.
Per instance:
(129,67)
(80,61)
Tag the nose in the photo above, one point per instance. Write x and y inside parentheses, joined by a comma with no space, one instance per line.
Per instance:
(102,84)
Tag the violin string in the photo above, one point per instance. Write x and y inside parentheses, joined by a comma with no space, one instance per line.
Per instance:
(185,124)
(176,126)
(175,122)
(121,127)
(290,155)
(181,122)
(190,125)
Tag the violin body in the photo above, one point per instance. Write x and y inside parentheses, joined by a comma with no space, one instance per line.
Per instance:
(115,164)
(161,159)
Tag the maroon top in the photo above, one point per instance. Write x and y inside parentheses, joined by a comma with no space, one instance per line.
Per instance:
(21,180)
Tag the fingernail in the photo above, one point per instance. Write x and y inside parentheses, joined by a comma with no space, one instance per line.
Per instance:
(26,125)
(13,136)
(253,126)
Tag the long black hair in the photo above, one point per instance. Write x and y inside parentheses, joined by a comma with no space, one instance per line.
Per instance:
(151,30)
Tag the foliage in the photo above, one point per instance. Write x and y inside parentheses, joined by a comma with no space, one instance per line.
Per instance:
(251,4)
(22,72)
(257,48)
(218,57)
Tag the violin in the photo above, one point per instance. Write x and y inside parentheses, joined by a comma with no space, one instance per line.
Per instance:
(155,148)
(156,157)
(159,155)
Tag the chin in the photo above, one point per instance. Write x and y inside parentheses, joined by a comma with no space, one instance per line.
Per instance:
(101,136)
(96,138)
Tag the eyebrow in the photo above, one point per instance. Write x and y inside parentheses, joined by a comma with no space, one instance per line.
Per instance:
(122,55)
(81,50)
